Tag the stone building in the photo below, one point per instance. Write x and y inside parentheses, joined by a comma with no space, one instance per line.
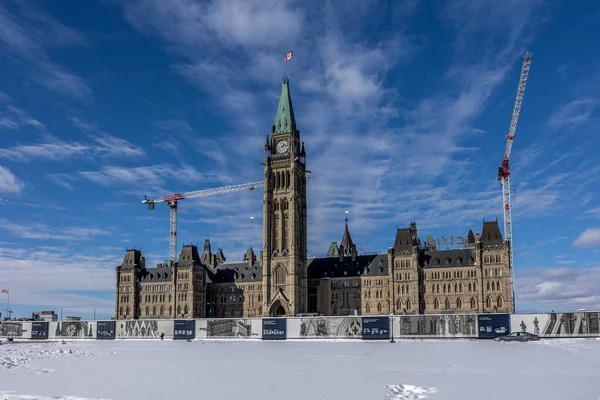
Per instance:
(410,278)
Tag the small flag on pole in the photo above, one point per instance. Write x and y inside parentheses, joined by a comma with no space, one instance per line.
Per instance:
(289,55)
(4,290)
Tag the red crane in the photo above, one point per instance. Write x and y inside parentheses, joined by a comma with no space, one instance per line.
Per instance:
(174,198)
(504,171)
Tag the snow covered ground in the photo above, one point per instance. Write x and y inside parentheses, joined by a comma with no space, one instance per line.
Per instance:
(303,369)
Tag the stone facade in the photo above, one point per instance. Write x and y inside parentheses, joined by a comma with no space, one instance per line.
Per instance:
(410,278)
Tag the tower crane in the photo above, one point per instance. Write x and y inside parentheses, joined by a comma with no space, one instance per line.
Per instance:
(173,199)
(504,172)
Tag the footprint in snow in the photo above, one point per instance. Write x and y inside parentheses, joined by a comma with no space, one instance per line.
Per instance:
(409,392)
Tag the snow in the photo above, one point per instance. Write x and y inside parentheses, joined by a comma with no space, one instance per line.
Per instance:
(550,369)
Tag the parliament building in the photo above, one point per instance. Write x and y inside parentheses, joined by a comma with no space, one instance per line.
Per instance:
(412,277)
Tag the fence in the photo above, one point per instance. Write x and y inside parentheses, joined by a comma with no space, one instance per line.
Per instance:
(482,326)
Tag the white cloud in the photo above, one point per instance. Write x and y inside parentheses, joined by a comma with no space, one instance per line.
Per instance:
(561,288)
(572,114)
(55,149)
(47,276)
(42,231)
(149,176)
(9,183)
(589,238)
(26,33)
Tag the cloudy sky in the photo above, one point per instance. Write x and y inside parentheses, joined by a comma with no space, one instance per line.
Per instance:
(403,106)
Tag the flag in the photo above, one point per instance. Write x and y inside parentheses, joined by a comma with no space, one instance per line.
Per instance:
(5,291)
(289,55)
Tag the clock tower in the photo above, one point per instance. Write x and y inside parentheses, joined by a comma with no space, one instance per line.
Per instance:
(284,254)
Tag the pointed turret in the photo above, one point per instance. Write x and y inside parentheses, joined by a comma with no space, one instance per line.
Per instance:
(346,245)
(284,120)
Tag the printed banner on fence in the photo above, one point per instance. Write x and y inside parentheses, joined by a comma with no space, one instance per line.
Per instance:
(39,330)
(274,328)
(376,328)
(106,330)
(493,325)
(184,329)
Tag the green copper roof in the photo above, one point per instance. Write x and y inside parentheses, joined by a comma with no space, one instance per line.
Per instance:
(285,112)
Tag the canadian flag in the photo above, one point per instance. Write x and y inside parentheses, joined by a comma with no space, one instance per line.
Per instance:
(289,55)
(4,290)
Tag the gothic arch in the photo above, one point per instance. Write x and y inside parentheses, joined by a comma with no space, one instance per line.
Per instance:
(447,304)
(278,309)
(280,275)
(473,303)
(436,304)
(500,302)
(488,302)
(459,303)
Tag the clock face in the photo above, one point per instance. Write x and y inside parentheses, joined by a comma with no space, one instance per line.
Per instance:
(282,147)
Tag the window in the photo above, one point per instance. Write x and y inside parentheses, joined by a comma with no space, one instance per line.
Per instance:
(473,303)
(500,302)
(458,304)
(379,307)
(280,276)
(436,304)
(488,302)
(368,309)
(448,305)
(408,304)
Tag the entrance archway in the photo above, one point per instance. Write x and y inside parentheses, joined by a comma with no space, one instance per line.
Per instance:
(278,310)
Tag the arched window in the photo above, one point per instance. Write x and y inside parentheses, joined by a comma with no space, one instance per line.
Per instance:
(407,289)
(437,288)
(154,310)
(280,276)
(473,303)
(448,305)
(498,285)
(379,307)
(488,286)
(408,304)
(120,310)
(423,305)
(162,310)
(147,310)
(458,303)
(444,288)
(127,310)
(398,305)
(488,302)
(436,304)
(500,302)
(368,309)
(493,286)
(432,288)
(475,286)
(179,309)
(460,287)
(470,287)
(185,309)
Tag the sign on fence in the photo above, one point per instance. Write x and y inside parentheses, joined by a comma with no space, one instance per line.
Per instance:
(184,329)
(106,330)
(493,325)
(39,330)
(376,328)
(274,328)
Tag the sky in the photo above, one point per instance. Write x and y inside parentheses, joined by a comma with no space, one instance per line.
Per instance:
(403,106)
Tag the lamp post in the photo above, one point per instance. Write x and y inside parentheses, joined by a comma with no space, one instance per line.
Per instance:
(94,314)
(392,328)
(61,310)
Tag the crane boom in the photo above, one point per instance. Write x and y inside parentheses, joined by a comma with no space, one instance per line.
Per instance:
(504,171)
(173,199)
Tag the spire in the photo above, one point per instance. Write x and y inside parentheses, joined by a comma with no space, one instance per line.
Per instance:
(346,243)
(284,120)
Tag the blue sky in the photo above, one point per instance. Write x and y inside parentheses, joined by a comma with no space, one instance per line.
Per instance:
(404,108)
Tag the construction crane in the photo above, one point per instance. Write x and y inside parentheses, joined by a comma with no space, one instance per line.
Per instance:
(504,171)
(174,198)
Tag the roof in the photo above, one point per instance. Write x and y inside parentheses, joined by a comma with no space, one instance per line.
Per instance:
(333,267)
(156,275)
(447,258)
(347,242)
(236,273)
(491,233)
(284,119)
